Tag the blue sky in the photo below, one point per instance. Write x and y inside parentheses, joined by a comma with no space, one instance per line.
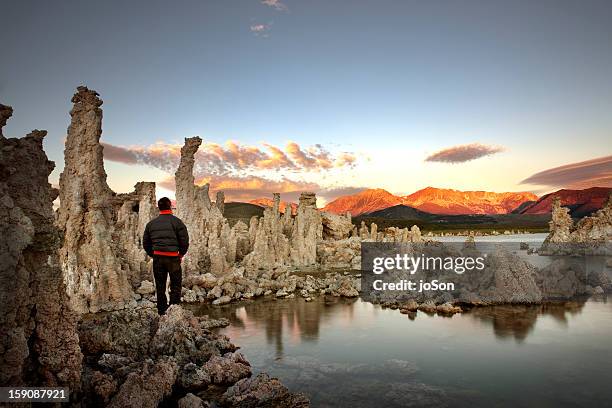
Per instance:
(390,81)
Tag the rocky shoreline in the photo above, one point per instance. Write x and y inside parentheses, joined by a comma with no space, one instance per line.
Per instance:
(136,358)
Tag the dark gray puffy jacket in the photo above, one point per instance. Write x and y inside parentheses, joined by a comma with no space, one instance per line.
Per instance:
(166,233)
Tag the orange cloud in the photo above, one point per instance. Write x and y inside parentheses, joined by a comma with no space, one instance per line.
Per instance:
(317,157)
(346,159)
(277,159)
(231,158)
(243,172)
(248,188)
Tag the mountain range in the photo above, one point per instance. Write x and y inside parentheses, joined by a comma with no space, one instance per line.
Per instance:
(453,202)
(432,200)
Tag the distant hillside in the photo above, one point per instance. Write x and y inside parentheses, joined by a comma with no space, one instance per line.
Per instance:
(365,201)
(401,212)
(268,202)
(242,211)
(406,216)
(580,202)
(522,207)
(447,201)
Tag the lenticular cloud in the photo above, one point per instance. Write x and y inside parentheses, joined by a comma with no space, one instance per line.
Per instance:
(463,153)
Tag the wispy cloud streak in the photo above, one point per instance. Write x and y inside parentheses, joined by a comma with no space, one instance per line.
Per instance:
(590,173)
(260,30)
(464,153)
(277,4)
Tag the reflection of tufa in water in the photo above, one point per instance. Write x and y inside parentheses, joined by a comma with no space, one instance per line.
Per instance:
(519,320)
(278,317)
(350,353)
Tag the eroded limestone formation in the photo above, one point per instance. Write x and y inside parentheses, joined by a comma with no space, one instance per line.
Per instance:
(220,201)
(280,240)
(597,227)
(269,240)
(100,254)
(213,245)
(263,391)
(134,210)
(561,223)
(38,337)
(307,232)
(340,254)
(336,226)
(391,234)
(592,234)
(242,239)
(5,113)
(192,204)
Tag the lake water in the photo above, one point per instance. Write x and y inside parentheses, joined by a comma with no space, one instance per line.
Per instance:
(350,353)
(534,239)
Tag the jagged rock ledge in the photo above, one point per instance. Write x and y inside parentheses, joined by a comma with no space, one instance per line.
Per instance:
(135,357)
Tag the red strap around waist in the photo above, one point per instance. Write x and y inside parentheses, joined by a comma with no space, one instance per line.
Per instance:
(164,253)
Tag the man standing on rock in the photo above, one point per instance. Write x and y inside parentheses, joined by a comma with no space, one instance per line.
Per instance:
(166,240)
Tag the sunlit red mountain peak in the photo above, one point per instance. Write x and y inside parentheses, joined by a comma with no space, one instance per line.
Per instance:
(363,202)
(580,202)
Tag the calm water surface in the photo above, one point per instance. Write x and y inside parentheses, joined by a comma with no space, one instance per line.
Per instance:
(349,353)
(537,238)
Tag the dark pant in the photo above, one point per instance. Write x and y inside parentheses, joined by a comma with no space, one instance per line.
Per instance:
(162,267)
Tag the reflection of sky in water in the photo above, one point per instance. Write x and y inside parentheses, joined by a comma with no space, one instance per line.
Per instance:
(356,354)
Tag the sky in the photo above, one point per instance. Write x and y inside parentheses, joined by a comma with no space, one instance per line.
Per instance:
(329,96)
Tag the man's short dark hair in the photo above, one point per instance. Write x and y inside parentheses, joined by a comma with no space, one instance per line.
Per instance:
(164,203)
